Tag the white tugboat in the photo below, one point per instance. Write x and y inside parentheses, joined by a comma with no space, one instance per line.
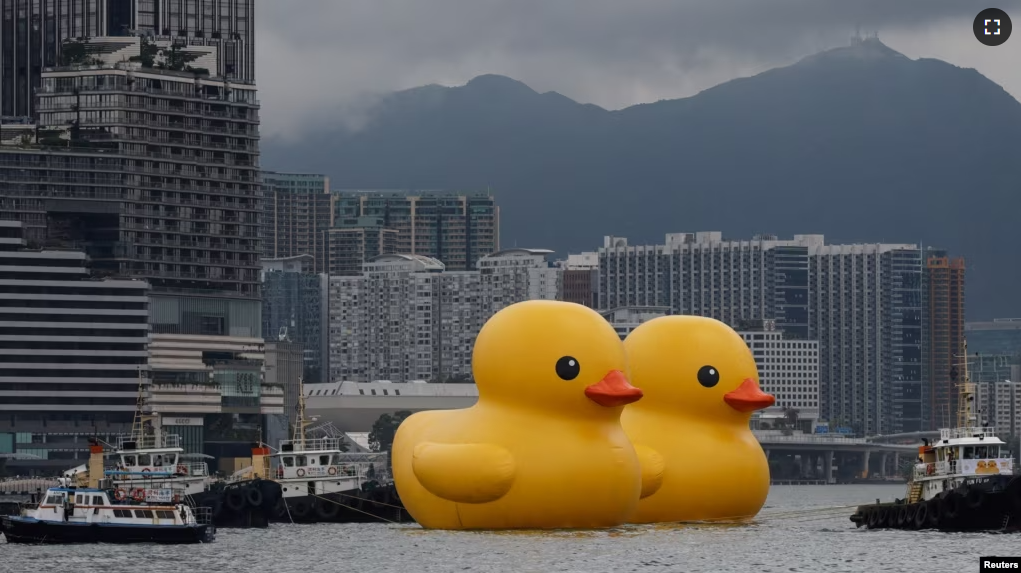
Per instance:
(321,482)
(96,514)
(963,482)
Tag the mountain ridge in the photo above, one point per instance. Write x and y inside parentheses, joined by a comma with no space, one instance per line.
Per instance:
(861,144)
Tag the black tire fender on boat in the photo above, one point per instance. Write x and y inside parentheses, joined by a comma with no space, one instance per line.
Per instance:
(974,498)
(872,518)
(935,511)
(253,495)
(903,516)
(217,509)
(952,505)
(327,509)
(922,515)
(1014,492)
(301,508)
(235,499)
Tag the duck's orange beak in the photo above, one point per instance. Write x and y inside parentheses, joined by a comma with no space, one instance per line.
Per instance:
(613,390)
(748,397)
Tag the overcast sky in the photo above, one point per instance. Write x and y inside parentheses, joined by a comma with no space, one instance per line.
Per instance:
(314,57)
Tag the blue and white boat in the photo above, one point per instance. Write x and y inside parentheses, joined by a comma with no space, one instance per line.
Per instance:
(92,515)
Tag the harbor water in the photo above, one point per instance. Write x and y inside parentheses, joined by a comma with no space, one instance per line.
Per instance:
(795,532)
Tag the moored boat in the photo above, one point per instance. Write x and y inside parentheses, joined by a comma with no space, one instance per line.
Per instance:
(150,456)
(320,482)
(93,515)
(963,482)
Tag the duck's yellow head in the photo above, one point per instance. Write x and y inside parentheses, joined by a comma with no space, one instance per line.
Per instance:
(696,366)
(555,356)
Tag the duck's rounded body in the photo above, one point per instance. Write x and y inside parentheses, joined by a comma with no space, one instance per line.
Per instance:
(710,472)
(543,473)
(692,428)
(543,448)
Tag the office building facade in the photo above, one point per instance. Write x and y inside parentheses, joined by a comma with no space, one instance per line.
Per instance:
(456,229)
(999,336)
(298,211)
(32,33)
(293,306)
(73,352)
(407,318)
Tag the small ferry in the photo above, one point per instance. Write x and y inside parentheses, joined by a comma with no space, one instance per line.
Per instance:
(963,482)
(90,515)
(98,513)
(321,482)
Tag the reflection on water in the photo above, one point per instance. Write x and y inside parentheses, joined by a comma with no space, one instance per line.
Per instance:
(802,528)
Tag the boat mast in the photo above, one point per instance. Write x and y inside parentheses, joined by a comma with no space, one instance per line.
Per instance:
(301,423)
(966,394)
(144,414)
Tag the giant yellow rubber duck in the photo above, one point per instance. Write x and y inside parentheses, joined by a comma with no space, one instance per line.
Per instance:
(543,447)
(691,431)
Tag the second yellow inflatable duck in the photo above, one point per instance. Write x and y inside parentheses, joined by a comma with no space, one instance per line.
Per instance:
(691,429)
(543,447)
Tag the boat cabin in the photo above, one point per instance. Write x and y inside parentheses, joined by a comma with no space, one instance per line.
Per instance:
(964,452)
(321,457)
(85,505)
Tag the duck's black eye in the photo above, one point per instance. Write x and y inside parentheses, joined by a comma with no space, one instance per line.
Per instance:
(568,368)
(708,376)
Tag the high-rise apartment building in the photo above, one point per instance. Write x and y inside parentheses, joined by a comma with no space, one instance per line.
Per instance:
(407,318)
(73,351)
(298,211)
(788,369)
(157,181)
(704,274)
(32,33)
(579,281)
(353,241)
(863,303)
(154,174)
(293,307)
(944,284)
(456,229)
(867,315)
(998,404)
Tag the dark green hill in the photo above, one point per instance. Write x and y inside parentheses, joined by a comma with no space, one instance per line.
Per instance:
(861,144)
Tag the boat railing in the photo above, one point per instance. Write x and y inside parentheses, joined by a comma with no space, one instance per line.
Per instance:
(968,432)
(193,469)
(203,515)
(965,467)
(311,445)
(148,442)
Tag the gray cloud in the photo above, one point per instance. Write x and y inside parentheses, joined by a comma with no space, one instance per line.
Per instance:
(319,60)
